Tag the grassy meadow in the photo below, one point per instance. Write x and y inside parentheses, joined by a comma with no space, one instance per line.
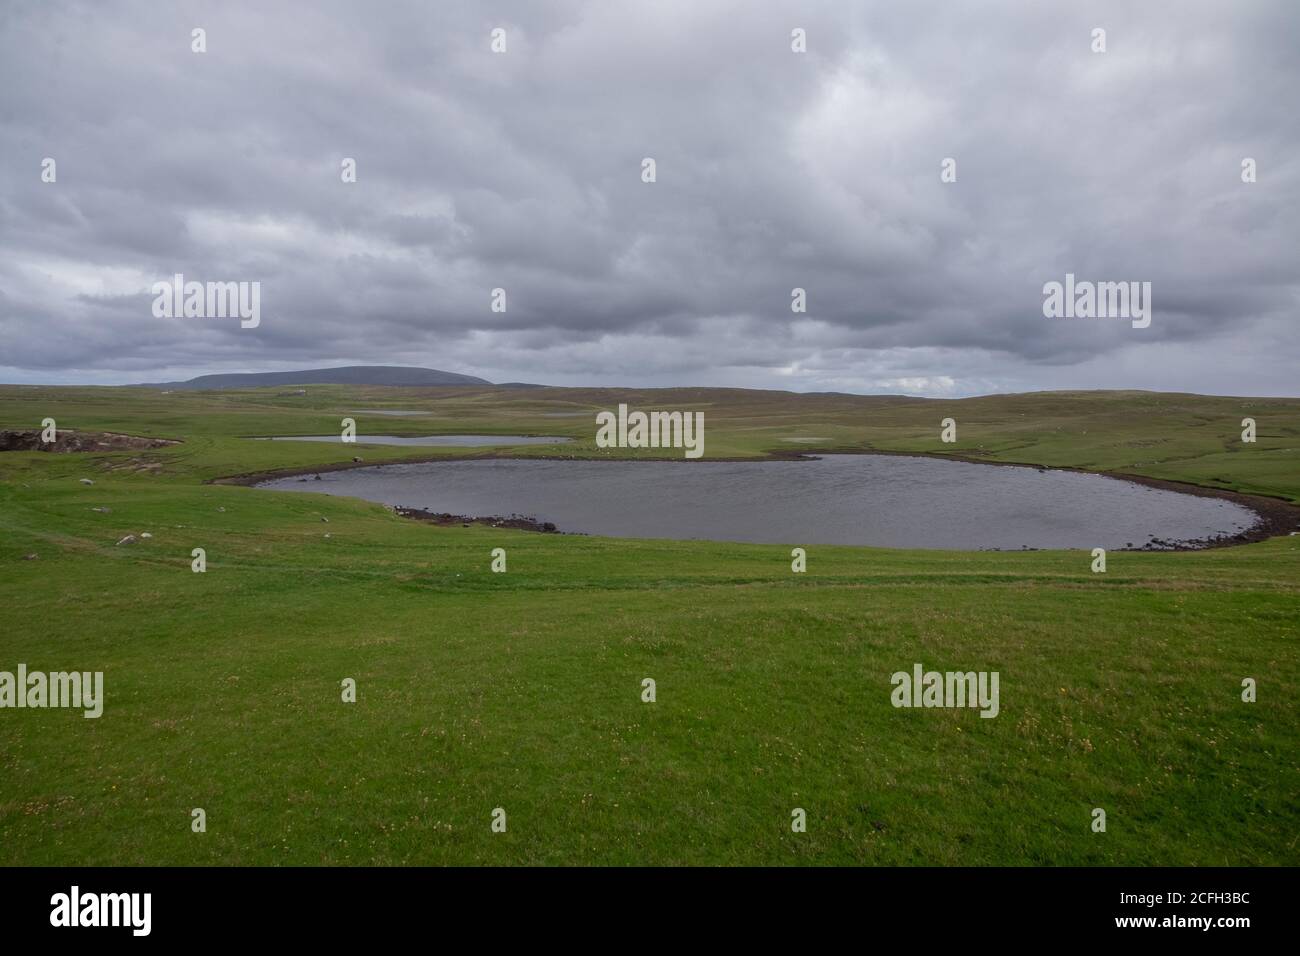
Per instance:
(522,690)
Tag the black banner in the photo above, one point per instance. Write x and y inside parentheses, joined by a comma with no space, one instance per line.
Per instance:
(332,906)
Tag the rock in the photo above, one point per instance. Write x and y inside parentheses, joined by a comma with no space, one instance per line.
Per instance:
(30,557)
(317,478)
(327,535)
(103,511)
(145,534)
(69,441)
(324,519)
(129,539)
(86,481)
(221,509)
(356,459)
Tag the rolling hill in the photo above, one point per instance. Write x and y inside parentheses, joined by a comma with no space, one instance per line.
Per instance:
(344,375)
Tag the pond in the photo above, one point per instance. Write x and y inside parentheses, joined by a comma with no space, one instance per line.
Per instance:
(877,500)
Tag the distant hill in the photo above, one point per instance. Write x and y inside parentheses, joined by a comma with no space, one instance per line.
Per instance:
(346,375)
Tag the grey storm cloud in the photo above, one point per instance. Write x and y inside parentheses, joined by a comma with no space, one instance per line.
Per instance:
(522,170)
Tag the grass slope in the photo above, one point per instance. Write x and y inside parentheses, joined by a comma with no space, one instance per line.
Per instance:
(522,690)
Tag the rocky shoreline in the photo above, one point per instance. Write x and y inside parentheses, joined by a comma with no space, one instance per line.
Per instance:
(514,522)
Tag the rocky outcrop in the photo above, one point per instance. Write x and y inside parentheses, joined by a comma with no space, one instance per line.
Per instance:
(70,441)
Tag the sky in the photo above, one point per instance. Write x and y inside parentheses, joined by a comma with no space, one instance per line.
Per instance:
(523,170)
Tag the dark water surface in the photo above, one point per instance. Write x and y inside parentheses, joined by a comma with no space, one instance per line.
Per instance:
(879,500)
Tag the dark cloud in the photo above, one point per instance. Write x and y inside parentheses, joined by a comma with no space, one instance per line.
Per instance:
(775,170)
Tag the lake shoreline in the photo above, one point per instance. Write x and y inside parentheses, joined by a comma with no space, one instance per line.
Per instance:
(1276,517)
(446,520)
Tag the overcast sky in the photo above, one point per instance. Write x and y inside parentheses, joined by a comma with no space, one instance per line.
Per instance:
(523,170)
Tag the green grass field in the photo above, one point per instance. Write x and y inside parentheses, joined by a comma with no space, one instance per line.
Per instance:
(523,690)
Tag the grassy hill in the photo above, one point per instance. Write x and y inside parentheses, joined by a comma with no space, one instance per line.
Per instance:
(522,690)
